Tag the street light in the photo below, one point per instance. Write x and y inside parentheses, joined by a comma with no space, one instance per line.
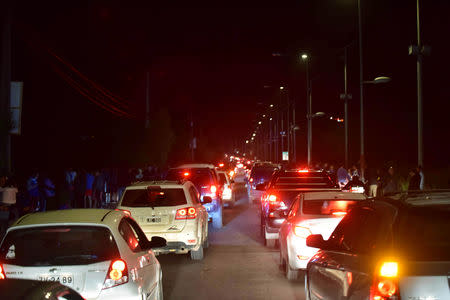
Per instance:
(377,80)
(305,57)
(271,105)
(259,123)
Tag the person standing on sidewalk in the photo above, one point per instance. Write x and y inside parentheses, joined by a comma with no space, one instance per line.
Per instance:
(88,191)
(33,190)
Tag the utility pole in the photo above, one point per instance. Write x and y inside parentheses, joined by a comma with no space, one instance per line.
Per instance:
(309,112)
(346,97)
(294,140)
(361,91)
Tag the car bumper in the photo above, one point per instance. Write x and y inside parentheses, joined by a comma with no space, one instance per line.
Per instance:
(127,291)
(177,242)
(299,254)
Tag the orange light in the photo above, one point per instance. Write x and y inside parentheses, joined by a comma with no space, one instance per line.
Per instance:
(182,212)
(186,174)
(117,269)
(301,257)
(221,165)
(251,179)
(272,198)
(115,274)
(389,269)
(339,213)
(302,232)
(2,275)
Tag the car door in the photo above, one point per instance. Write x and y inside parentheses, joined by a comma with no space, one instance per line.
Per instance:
(287,225)
(202,214)
(145,266)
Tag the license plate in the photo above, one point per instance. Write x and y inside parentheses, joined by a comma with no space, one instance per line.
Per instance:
(154,220)
(63,279)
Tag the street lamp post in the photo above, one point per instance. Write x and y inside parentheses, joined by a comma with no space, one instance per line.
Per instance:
(346,97)
(361,89)
(306,58)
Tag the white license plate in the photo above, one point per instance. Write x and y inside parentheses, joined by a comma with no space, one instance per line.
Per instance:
(63,279)
(154,220)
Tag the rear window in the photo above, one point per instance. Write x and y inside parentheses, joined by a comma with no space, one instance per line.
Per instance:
(154,198)
(58,245)
(222,178)
(303,180)
(262,173)
(327,207)
(199,177)
(425,236)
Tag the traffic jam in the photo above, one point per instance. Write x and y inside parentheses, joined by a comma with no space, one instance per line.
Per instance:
(340,243)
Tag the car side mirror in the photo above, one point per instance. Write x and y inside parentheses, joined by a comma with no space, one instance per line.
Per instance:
(157,242)
(261,187)
(279,214)
(206,199)
(316,241)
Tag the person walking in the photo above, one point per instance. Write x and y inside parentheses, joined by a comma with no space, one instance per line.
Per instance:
(391,182)
(33,190)
(414,180)
(374,182)
(49,192)
(88,190)
(342,176)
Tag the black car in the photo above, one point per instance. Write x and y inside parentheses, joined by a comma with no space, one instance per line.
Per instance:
(280,193)
(385,249)
(261,173)
(12,289)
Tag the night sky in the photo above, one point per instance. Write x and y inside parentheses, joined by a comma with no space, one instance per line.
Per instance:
(213,61)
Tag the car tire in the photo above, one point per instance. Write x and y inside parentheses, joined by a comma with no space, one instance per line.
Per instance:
(217,220)
(197,254)
(291,274)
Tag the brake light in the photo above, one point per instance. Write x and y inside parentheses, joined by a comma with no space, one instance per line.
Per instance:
(213,189)
(302,232)
(231,173)
(385,283)
(339,213)
(2,273)
(186,213)
(117,274)
(272,198)
(221,165)
(303,171)
(186,174)
(251,180)
(127,212)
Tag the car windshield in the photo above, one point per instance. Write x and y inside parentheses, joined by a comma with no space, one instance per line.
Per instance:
(425,236)
(153,197)
(58,245)
(327,207)
(262,173)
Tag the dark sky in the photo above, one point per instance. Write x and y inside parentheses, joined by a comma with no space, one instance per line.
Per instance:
(214,60)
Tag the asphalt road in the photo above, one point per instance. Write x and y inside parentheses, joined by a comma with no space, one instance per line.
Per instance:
(236,265)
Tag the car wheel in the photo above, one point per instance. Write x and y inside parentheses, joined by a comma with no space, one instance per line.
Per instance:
(197,254)
(291,274)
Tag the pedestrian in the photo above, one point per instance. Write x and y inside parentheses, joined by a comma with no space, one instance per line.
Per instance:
(70,176)
(419,170)
(414,180)
(80,188)
(374,181)
(140,175)
(33,190)
(98,188)
(342,176)
(88,190)
(354,171)
(49,193)
(391,182)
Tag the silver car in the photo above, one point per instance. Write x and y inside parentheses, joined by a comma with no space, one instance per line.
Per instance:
(385,249)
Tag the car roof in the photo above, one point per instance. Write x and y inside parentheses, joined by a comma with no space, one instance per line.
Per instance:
(422,198)
(188,166)
(164,183)
(72,216)
(333,195)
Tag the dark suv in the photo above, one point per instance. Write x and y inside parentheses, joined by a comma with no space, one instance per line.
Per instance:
(279,195)
(205,180)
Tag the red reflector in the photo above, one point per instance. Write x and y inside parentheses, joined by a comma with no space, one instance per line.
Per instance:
(192,241)
(186,174)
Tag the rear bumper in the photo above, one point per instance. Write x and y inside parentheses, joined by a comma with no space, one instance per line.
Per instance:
(177,242)
(127,291)
(273,228)
(174,247)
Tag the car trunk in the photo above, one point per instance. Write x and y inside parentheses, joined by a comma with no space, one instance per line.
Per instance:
(157,219)
(87,279)
(424,280)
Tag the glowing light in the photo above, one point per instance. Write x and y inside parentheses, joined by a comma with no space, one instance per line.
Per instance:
(186,174)
(302,232)
(304,56)
(271,105)
(339,213)
(389,269)
(221,165)
(259,122)
(303,171)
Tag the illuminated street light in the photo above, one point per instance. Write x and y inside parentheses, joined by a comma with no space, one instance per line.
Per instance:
(254,134)
(246,141)
(281,87)
(264,116)
(253,138)
(381,79)
(304,56)
(270,119)
(259,122)
(271,105)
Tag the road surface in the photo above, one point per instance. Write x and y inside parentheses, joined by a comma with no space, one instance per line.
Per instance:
(236,265)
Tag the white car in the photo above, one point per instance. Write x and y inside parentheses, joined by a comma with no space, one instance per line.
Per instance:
(101,254)
(171,210)
(228,195)
(311,213)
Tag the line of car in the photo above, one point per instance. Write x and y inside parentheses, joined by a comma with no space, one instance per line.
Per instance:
(105,254)
(351,247)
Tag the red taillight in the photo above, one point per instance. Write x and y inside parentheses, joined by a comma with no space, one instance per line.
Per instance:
(186,174)
(339,213)
(2,273)
(186,213)
(213,189)
(117,274)
(221,165)
(303,171)
(302,232)
(385,283)
(127,212)
(251,180)
(272,199)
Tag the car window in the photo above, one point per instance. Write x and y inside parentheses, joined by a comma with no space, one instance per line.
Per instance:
(293,180)
(153,198)
(132,234)
(199,177)
(345,235)
(327,206)
(194,195)
(58,245)
(223,179)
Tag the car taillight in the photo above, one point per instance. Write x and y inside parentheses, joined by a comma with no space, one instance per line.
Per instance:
(302,232)
(186,213)
(385,283)
(127,212)
(117,274)
(339,213)
(213,189)
(2,273)
(251,180)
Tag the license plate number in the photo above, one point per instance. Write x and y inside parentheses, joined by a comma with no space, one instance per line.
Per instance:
(63,279)
(154,220)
